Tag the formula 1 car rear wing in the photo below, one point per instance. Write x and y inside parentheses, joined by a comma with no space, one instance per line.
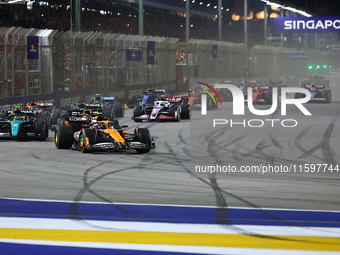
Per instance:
(79,119)
(317,77)
(45,105)
(171,99)
(315,86)
(82,112)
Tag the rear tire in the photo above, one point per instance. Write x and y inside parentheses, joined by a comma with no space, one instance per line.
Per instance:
(269,98)
(44,114)
(137,111)
(118,109)
(63,137)
(209,104)
(108,113)
(144,137)
(297,95)
(328,96)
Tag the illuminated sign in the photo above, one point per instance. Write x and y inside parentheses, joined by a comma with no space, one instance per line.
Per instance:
(305,25)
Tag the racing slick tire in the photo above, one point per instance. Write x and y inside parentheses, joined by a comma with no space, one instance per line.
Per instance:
(63,137)
(41,129)
(137,111)
(44,114)
(115,124)
(131,101)
(299,95)
(91,135)
(144,137)
(228,96)
(54,118)
(174,111)
(108,113)
(185,111)
(328,96)
(269,98)
(215,106)
(209,104)
(118,109)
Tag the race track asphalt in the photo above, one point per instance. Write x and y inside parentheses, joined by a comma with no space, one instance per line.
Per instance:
(37,170)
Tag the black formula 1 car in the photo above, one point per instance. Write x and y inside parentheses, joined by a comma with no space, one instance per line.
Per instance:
(113,107)
(88,135)
(173,109)
(108,107)
(19,124)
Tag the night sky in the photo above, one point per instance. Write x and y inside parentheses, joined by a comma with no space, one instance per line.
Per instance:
(318,7)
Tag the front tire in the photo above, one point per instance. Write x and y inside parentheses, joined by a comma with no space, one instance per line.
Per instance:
(185,111)
(87,134)
(174,111)
(41,129)
(215,106)
(144,137)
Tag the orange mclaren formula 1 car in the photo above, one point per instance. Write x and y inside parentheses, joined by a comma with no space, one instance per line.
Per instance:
(86,134)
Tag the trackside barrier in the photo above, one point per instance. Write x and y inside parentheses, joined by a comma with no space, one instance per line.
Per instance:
(65,99)
(76,61)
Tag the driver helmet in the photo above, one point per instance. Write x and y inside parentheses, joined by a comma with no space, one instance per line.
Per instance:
(101,126)
(149,91)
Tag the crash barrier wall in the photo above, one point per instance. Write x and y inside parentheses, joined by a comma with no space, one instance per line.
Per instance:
(64,99)
(20,75)
(74,61)
(274,61)
(195,60)
(201,61)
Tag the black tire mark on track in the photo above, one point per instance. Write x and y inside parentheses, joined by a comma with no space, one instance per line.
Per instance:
(181,138)
(326,148)
(221,213)
(324,145)
(275,141)
(298,142)
(74,207)
(35,156)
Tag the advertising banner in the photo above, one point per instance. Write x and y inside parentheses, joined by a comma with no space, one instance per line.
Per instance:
(151,53)
(214,50)
(134,55)
(32,47)
(305,25)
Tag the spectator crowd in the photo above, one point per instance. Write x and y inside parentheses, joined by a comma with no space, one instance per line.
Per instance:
(123,19)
